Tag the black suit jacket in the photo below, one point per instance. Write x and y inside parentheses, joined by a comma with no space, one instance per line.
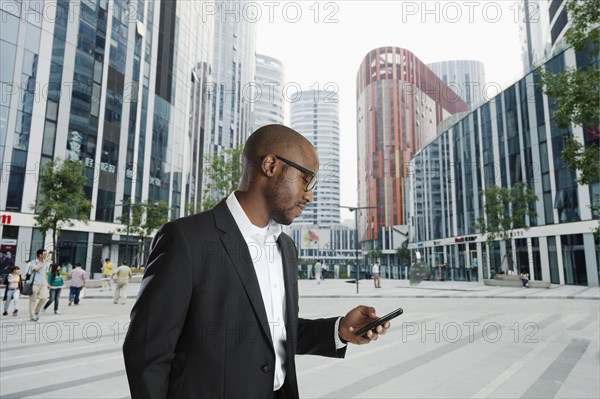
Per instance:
(199,328)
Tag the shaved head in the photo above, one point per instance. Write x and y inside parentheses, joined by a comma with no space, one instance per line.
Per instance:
(274,139)
(278,165)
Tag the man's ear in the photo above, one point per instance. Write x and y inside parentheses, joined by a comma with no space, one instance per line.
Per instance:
(268,165)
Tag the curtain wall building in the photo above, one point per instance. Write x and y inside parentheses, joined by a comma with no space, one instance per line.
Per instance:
(400,103)
(315,114)
(109,83)
(268,101)
(465,77)
(509,139)
(542,30)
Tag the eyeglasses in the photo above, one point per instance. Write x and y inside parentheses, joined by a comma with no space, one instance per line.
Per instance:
(313,175)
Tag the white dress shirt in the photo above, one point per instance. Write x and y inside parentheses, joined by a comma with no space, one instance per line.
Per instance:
(268,265)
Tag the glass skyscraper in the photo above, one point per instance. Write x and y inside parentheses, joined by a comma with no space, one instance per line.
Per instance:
(268,103)
(315,114)
(465,77)
(109,83)
(400,103)
(509,139)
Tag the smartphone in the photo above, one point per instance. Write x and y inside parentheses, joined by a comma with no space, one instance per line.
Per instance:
(379,321)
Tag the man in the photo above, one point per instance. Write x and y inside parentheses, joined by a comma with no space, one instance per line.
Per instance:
(122,275)
(318,271)
(217,312)
(37,275)
(376,277)
(77,284)
(6,265)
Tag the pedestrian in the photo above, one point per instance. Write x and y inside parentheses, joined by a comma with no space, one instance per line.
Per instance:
(13,288)
(318,271)
(55,281)
(217,311)
(6,265)
(37,274)
(77,284)
(107,267)
(467,271)
(376,276)
(122,276)
(525,280)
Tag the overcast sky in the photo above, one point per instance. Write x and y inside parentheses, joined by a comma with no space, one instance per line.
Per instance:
(322,44)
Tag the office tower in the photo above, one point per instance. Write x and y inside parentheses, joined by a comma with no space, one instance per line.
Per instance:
(315,114)
(509,139)
(465,77)
(231,92)
(400,103)
(107,83)
(268,100)
(542,27)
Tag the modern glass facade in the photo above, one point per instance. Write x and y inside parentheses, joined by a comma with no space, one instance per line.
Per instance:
(315,115)
(465,77)
(400,103)
(542,30)
(509,139)
(268,103)
(106,82)
(231,91)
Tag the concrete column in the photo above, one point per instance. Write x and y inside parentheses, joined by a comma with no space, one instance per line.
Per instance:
(591,263)
(545,259)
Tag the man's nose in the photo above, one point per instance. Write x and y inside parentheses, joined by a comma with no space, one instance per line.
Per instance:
(308,196)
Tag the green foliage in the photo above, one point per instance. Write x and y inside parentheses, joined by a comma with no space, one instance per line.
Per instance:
(585,160)
(403,254)
(575,101)
(506,209)
(145,218)
(61,198)
(192,208)
(222,175)
(584,17)
(575,92)
(374,254)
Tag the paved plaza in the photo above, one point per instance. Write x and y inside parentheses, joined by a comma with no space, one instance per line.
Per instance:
(455,340)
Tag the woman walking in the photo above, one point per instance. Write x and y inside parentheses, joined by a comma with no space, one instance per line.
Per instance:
(55,281)
(13,289)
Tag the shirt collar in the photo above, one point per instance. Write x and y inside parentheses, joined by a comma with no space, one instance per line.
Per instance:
(245,225)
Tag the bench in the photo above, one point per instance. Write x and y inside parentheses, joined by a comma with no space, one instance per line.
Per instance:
(514,281)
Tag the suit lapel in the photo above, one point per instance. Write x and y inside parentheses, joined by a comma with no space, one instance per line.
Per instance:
(237,250)
(290,276)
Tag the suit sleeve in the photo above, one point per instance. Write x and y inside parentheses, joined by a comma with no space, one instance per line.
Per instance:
(158,315)
(316,337)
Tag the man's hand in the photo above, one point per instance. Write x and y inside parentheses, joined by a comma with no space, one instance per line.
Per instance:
(357,318)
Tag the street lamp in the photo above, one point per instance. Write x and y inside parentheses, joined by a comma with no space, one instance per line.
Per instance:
(353,209)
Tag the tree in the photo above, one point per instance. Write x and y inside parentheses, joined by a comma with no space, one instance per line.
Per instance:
(505,210)
(144,219)
(575,94)
(374,254)
(222,175)
(61,198)
(403,254)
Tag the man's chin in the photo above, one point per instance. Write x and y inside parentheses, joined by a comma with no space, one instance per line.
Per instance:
(284,219)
